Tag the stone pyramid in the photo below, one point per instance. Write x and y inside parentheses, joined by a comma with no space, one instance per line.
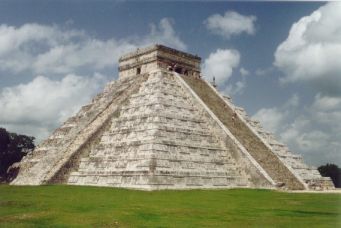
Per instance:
(160,126)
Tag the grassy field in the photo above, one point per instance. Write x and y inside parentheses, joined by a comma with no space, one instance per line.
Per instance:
(71,206)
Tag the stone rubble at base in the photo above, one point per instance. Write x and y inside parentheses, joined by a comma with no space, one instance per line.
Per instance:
(148,130)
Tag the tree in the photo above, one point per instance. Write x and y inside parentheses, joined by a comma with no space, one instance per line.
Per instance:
(332,171)
(13,147)
(4,139)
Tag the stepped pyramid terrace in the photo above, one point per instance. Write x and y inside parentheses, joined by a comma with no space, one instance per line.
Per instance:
(161,126)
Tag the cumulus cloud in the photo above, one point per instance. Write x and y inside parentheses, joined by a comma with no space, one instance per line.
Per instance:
(63,53)
(19,46)
(316,137)
(264,71)
(312,50)
(271,118)
(274,119)
(235,89)
(244,72)
(238,87)
(310,55)
(230,24)
(220,64)
(314,132)
(164,33)
(326,103)
(44,49)
(36,108)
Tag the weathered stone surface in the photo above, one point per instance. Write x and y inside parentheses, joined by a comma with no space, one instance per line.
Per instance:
(144,60)
(283,166)
(154,129)
(160,140)
(49,157)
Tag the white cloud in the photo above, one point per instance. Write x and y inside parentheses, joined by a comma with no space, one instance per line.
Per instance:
(45,49)
(238,87)
(311,55)
(326,103)
(235,89)
(220,64)
(243,72)
(312,51)
(275,119)
(264,71)
(292,102)
(317,140)
(271,118)
(164,33)
(12,38)
(326,110)
(231,23)
(20,46)
(36,108)
(94,54)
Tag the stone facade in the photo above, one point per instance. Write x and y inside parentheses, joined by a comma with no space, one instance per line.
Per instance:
(160,140)
(160,126)
(155,57)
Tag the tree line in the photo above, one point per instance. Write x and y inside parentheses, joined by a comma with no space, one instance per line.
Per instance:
(332,171)
(13,147)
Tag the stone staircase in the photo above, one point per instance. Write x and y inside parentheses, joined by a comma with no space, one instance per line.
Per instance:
(160,140)
(232,118)
(56,150)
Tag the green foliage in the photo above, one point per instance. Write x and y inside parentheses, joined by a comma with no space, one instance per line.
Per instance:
(12,148)
(332,171)
(76,206)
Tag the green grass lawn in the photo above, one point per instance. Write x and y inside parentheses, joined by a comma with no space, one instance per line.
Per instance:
(68,206)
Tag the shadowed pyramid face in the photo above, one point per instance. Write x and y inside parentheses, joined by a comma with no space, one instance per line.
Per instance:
(162,127)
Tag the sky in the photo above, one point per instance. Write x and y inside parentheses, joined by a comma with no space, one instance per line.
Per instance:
(278,60)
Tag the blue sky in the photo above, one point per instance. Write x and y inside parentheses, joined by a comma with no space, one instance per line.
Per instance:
(278,60)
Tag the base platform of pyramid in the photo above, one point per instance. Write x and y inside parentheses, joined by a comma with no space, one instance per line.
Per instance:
(161,126)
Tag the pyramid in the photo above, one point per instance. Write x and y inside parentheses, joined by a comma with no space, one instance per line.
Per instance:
(161,126)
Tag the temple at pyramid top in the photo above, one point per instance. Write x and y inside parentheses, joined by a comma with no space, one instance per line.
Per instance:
(143,60)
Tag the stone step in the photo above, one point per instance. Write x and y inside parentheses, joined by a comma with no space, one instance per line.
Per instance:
(168,116)
(203,174)
(157,127)
(160,92)
(107,148)
(175,143)
(159,102)
(161,127)
(159,159)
